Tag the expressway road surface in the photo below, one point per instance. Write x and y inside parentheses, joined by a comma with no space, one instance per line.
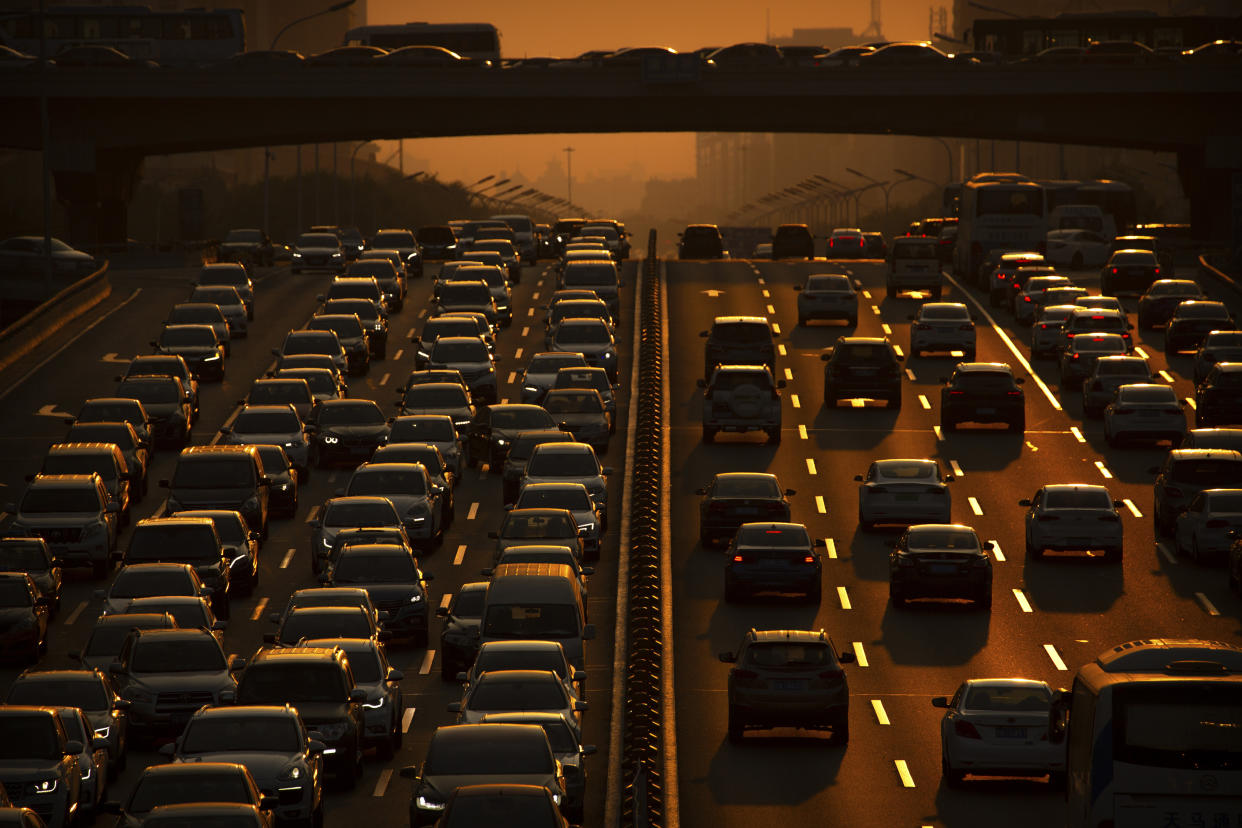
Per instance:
(1048,617)
(82,367)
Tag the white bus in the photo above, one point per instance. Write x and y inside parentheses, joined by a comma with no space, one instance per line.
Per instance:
(1154,737)
(471,40)
(997,211)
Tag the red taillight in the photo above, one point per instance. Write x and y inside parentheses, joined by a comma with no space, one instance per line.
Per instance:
(1075,356)
(1001,276)
(965,729)
(1014,393)
(832,242)
(1114,270)
(957,393)
(1026,298)
(1157,271)
(811,558)
(1217,523)
(738,559)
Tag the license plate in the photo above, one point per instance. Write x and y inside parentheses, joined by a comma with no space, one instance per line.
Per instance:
(789,684)
(987,410)
(1149,413)
(942,569)
(1006,732)
(905,498)
(747,510)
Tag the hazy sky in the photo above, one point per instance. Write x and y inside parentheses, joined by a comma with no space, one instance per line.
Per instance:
(562,28)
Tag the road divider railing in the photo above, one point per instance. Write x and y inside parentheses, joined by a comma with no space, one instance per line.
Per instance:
(39,325)
(1218,275)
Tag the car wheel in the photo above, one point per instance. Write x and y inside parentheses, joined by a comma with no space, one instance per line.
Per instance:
(948,426)
(841,729)
(774,436)
(737,728)
(896,596)
(709,434)
(953,778)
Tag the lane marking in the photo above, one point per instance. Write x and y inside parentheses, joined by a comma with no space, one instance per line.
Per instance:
(530,311)
(1031,445)
(474,511)
(535,295)
(996,550)
(1190,401)
(910,375)
(512,377)
(866,294)
(384,379)
(525,332)
(761,280)
(381,784)
(957,470)
(860,655)
(903,770)
(974,506)
(1077,434)
(819,505)
(284,562)
(1099,464)
(875,309)
(428,657)
(887,330)
(112,356)
(400,353)
(844,597)
(780,349)
(1164,550)
(1140,352)
(409,334)
(518,353)
(446,599)
(897,349)
(461,554)
(1056,657)
(939,434)
(810,466)
(831,548)
(788,374)
(766,294)
(881,715)
(1134,510)
(1208,607)
(794,399)
(801,430)
(923,401)
(72,618)
(257,612)
(422,314)
(1022,602)
(1166,376)
(314,512)
(776,329)
(51,411)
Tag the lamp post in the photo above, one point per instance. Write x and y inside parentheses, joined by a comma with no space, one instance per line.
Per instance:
(569,174)
(353,184)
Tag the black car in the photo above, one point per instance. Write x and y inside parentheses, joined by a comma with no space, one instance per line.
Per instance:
(190,540)
(384,709)
(88,690)
(738,340)
(734,498)
(348,621)
(136,451)
(862,367)
(391,280)
(110,631)
(391,576)
(218,790)
(793,241)
(510,804)
(935,560)
(283,491)
(700,241)
(437,242)
(1218,399)
(1159,301)
(1191,321)
(459,640)
(167,403)
(375,323)
(346,430)
(24,613)
(166,365)
(520,451)
(982,392)
(490,435)
(775,558)
(33,557)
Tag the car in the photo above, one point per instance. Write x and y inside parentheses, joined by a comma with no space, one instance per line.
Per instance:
(277,424)
(1162,297)
(793,241)
(1145,410)
(1111,303)
(512,690)
(508,256)
(438,430)
(541,371)
(137,453)
(582,412)
(351,333)
(409,487)
(1129,271)
(437,242)
(307,342)
(188,540)
(74,514)
(168,405)
(341,513)
(33,557)
(93,760)
(999,273)
(234,274)
(827,296)
(198,345)
(166,365)
(1217,438)
(1080,354)
(321,621)
(384,709)
(1206,529)
(700,241)
(519,452)
(982,392)
(461,295)
(450,325)
(150,579)
(459,637)
(913,263)
(738,340)
(1027,298)
(374,322)
(998,727)
(221,477)
(1107,375)
(247,246)
(271,742)
(1097,320)
(942,326)
(26,254)
(574,498)
(847,243)
(108,634)
(391,576)
(1216,347)
(366,288)
(24,618)
(570,463)
(877,245)
(239,543)
(324,380)
(449,399)
(103,459)
(1218,399)
(88,690)
(490,435)
(773,557)
(526,654)
(491,272)
(940,560)
(903,492)
(1192,321)
(734,498)
(788,678)
(167,674)
(537,526)
(1047,337)
(1065,295)
(283,488)
(592,338)
(1233,564)
(575,309)
(405,243)
(231,304)
(569,751)
(470,356)
(1073,517)
(741,398)
(201,313)
(270,391)
(170,790)
(317,251)
(862,367)
(1076,248)
(346,430)
(39,765)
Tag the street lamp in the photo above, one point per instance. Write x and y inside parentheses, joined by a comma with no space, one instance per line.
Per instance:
(353,184)
(335,7)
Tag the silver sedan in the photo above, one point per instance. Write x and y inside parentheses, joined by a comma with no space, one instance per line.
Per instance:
(904,492)
(1073,516)
(942,326)
(1146,411)
(1206,529)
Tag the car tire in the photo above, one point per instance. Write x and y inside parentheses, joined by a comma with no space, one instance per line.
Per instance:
(896,596)
(774,436)
(709,434)
(841,729)
(948,426)
(952,778)
(737,728)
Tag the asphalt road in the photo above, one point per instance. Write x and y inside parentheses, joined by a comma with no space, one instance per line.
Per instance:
(73,369)
(1048,617)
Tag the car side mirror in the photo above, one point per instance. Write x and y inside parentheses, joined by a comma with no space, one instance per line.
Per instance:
(220,626)
(589,750)
(236,663)
(117,555)
(819,543)
(728,657)
(73,747)
(858,477)
(825,356)
(269,638)
(588,632)
(942,380)
(1026,501)
(702,490)
(607,471)
(1117,504)
(846,657)
(797,288)
(940,701)
(226,430)
(99,743)
(911,317)
(453,707)
(276,352)
(116,667)
(357,695)
(582,706)
(168,750)
(948,478)
(409,772)
(989,545)
(316,746)
(268,802)
(780,383)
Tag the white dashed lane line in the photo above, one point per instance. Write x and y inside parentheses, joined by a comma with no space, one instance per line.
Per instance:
(1022,602)
(512,377)
(866,294)
(407,719)
(766,294)
(1166,376)
(771,309)
(72,618)
(810,466)
(1134,510)
(788,374)
(384,379)
(996,551)
(843,596)
(974,506)
(875,309)
(400,353)
(881,715)
(780,349)
(860,655)
(525,332)
(428,657)
(1056,657)
(923,401)
(1077,434)
(1190,401)
(910,375)
(903,771)
(830,547)
(474,511)
(939,434)
(796,402)
(1168,555)
(1099,464)
(381,784)
(776,329)
(1140,352)
(460,556)
(888,331)
(801,429)
(518,353)
(957,470)
(288,558)
(820,506)
(257,612)
(446,599)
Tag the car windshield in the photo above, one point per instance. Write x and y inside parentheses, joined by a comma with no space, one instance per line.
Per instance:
(1202,310)
(1133,258)
(14,593)
(182,655)
(919,250)
(410,453)
(555,498)
(54,500)
(453,326)
(1005,699)
(572,333)
(311,342)
(387,481)
(357,288)
(16,556)
(347,328)
(958,540)
(597,379)
(182,337)
(359,514)
(149,392)
(788,654)
(27,738)
(746,486)
(394,239)
(214,473)
(352,414)
(455,350)
(267,422)
(86,693)
(320,381)
(550,364)
(864,353)
(106,640)
(517,419)
(1175,289)
(1156,394)
(465,293)
(96,411)
(317,240)
(273,392)
(531,621)
(526,694)
(479,757)
(161,541)
(1127,367)
(350,624)
(357,568)
(436,235)
(218,734)
(530,527)
(364,310)
(562,464)
(64,463)
(469,603)
(569,402)
(139,584)
(1225,502)
(292,683)
(174,789)
(1207,473)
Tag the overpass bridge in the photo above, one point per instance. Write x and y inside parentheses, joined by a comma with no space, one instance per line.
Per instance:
(104,121)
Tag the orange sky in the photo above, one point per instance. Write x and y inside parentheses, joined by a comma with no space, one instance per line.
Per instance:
(563,29)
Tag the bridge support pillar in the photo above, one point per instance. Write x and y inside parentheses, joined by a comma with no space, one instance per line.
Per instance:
(1211,177)
(95,192)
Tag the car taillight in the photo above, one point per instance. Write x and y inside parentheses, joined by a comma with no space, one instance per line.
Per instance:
(1113,271)
(1026,298)
(957,393)
(1001,276)
(1217,523)
(1014,393)
(965,729)
(832,242)
(1075,357)
(739,559)
(1157,271)
(811,558)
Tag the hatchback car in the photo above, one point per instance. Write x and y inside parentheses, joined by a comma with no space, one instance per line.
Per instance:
(541,526)
(998,727)
(438,430)
(351,333)
(201,313)
(541,371)
(1206,529)
(168,404)
(904,492)
(1109,374)
(1073,517)
(490,436)
(940,560)
(1145,411)
(982,392)
(942,326)
(734,498)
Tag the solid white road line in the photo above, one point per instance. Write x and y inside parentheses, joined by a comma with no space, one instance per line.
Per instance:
(810,466)
(381,784)
(1077,434)
(860,655)
(73,616)
(460,556)
(1208,607)
(474,511)
(819,505)
(257,612)
(1099,464)
(1134,510)
(974,506)
(289,553)
(844,596)
(957,470)
(1022,602)
(881,715)
(407,719)
(903,770)
(1056,657)
(428,657)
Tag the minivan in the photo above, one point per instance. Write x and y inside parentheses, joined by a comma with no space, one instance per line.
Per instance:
(537,601)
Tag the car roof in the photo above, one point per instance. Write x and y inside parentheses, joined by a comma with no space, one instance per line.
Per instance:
(249,711)
(194,768)
(862,340)
(298,653)
(1205,454)
(984,367)
(1075,487)
(733,320)
(744,476)
(783,636)
(565,448)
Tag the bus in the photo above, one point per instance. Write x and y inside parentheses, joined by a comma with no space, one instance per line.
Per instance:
(170,38)
(1153,734)
(471,40)
(1015,37)
(997,211)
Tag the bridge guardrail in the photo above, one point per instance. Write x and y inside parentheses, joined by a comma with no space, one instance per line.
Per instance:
(1213,272)
(36,327)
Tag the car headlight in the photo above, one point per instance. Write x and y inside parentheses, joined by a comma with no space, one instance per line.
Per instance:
(376,705)
(336,255)
(211,358)
(378,326)
(291,445)
(556,799)
(429,804)
(331,439)
(291,773)
(584,528)
(45,786)
(86,771)
(424,354)
(416,598)
(239,560)
(327,544)
(283,487)
(297,255)
(534,388)
(500,441)
(103,732)
(609,355)
(460,423)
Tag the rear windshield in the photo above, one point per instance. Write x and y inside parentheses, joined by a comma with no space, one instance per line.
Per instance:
(732,380)
(1099,343)
(474,350)
(342,327)
(150,392)
(86,694)
(775,536)
(945,312)
(561,402)
(173,542)
(469,603)
(61,463)
(864,353)
(395,239)
(16,556)
(317,240)
(158,790)
(189,314)
(550,363)
(1129,368)
(741,332)
(907,470)
(571,333)
(1203,310)
(1159,394)
(920,250)
(534,694)
(1209,473)
(1020,699)
(962,540)
(363,412)
(532,527)
(311,343)
(266,393)
(281,683)
(531,621)
(242,733)
(746,487)
(828,283)
(299,625)
(1077,499)
(1100,323)
(788,654)
(465,293)
(525,659)
(436,235)
(449,327)
(88,433)
(214,473)
(983,380)
(360,568)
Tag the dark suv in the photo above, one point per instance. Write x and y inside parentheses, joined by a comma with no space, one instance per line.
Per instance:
(191,540)
(862,366)
(39,764)
(793,241)
(788,678)
(221,477)
(700,241)
(982,392)
(738,340)
(1184,474)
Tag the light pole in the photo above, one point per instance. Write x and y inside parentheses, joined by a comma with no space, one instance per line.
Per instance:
(948,153)
(353,184)
(45,138)
(884,185)
(569,174)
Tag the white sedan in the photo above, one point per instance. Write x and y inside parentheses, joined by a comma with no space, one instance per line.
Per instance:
(998,727)
(1206,529)
(1073,517)
(904,492)
(942,326)
(1076,248)
(1145,411)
